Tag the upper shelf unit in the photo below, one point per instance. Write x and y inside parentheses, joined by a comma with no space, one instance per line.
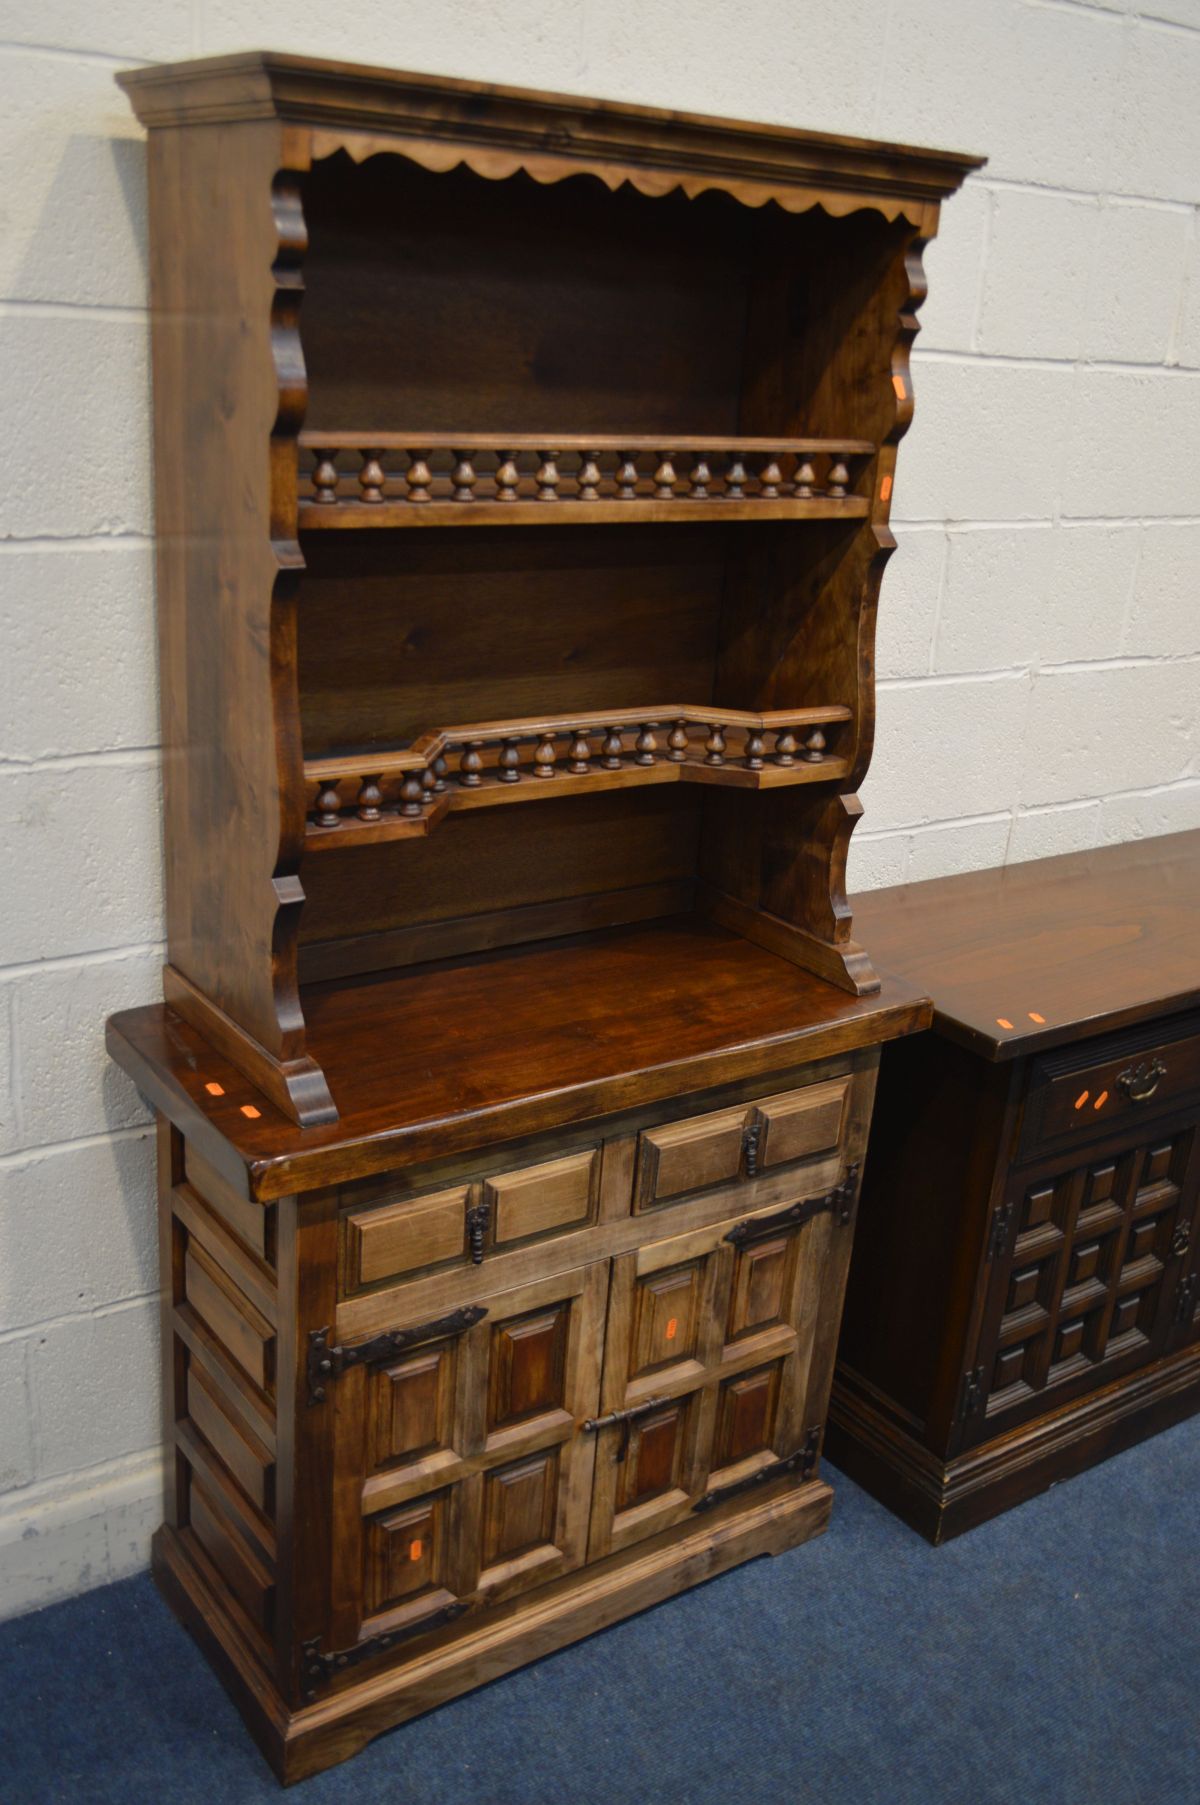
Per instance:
(487,479)
(386,300)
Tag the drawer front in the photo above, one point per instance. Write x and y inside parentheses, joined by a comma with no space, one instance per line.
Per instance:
(680,1158)
(800,1124)
(462,1223)
(541,1199)
(1096,1089)
(407,1237)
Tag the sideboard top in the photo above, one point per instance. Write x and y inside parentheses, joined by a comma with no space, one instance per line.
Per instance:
(441,122)
(1031,956)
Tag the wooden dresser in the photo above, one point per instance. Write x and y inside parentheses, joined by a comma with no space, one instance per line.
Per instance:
(523,470)
(1024,1297)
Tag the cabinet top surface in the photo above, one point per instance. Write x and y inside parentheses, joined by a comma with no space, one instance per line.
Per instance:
(499,1045)
(1034,955)
(497,130)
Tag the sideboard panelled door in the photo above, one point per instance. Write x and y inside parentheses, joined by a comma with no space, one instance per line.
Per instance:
(461,1478)
(706,1369)
(1090,1263)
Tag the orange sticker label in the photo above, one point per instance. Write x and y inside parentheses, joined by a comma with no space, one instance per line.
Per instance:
(1002,1021)
(1101,1100)
(885,488)
(1082,1098)
(1035,1017)
(898,385)
(414,1550)
(248,1109)
(671,1328)
(215,1090)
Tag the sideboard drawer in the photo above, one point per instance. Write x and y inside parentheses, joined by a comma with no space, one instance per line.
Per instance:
(459,1223)
(680,1158)
(537,1200)
(407,1237)
(1087,1091)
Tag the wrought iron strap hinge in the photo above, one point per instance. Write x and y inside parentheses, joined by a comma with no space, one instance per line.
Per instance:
(1002,1217)
(971,1395)
(326,1363)
(840,1200)
(803,1462)
(317,1669)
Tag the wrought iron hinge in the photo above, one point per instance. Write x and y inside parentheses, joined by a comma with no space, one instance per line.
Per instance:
(478,1217)
(326,1363)
(840,1200)
(751,1141)
(1185,1299)
(1181,1239)
(803,1462)
(594,1424)
(317,1669)
(1002,1217)
(971,1395)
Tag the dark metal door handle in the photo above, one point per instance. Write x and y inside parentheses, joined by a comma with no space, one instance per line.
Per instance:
(1139,1082)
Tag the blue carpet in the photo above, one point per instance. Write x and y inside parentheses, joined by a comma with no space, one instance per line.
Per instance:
(1049,1658)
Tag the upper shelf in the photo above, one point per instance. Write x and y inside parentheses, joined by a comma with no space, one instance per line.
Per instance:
(489,479)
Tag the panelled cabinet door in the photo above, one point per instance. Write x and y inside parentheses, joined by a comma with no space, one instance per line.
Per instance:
(705,1370)
(461,1479)
(1088,1280)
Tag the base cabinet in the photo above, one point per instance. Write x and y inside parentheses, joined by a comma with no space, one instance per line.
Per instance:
(427,1426)
(1024,1294)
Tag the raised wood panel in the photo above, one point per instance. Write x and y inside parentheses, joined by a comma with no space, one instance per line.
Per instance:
(689,1156)
(528,1366)
(411,1403)
(801,1124)
(242,1331)
(746,1412)
(236,1447)
(407,1237)
(247,1220)
(666,1318)
(519,1507)
(558,1194)
(654,1460)
(247,1578)
(405,1554)
(762,1284)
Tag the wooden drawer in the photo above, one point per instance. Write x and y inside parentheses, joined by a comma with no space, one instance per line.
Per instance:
(680,1158)
(458,1223)
(1089,1090)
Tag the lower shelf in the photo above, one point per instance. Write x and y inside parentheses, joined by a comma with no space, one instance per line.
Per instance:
(301,1743)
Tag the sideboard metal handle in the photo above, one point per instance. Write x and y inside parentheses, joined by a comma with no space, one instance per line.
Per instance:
(1139,1082)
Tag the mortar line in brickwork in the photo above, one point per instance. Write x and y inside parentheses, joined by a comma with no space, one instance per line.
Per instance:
(64,52)
(13,307)
(120,1307)
(77,542)
(134,758)
(46,1150)
(98,955)
(1106,366)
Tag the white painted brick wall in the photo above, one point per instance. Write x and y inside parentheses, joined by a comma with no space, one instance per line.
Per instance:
(1039,648)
